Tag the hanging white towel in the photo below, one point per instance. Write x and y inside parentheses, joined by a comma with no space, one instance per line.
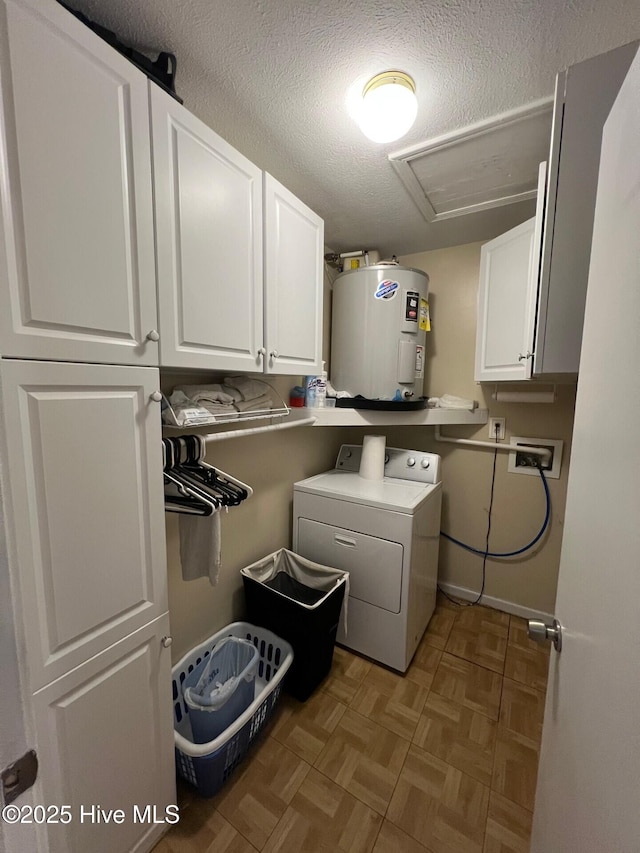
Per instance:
(200,547)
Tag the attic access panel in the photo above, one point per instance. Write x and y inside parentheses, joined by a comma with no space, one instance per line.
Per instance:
(482,166)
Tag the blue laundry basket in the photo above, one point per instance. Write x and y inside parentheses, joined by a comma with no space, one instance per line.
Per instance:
(229,674)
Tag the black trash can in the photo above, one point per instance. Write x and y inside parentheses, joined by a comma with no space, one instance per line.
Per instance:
(301,602)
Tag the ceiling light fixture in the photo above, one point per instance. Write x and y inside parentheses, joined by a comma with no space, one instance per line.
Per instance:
(389,106)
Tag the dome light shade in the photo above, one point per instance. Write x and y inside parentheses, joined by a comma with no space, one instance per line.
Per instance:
(389,106)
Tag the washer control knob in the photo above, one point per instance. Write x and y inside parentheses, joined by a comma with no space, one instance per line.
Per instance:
(425,463)
(411,462)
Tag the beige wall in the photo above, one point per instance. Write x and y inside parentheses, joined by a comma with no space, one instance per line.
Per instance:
(518,510)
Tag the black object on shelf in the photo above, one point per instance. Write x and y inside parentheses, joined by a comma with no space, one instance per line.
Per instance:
(381,405)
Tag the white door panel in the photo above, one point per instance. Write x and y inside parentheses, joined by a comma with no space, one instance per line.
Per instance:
(294,262)
(589,774)
(209,243)
(77,202)
(104,737)
(86,482)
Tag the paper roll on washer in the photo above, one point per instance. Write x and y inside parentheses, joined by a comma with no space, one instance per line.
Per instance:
(380,318)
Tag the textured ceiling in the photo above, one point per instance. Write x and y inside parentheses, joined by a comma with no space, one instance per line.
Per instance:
(272,77)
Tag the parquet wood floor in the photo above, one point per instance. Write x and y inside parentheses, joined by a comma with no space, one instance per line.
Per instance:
(440,760)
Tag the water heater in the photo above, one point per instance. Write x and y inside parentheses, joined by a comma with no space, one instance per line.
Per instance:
(378,331)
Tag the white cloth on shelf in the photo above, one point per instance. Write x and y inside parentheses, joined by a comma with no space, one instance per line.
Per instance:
(200,547)
(449,401)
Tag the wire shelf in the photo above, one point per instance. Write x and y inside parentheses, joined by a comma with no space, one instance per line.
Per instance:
(177,421)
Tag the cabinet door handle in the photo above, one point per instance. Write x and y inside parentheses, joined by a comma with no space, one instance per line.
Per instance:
(156,396)
(344,540)
(166,642)
(525,357)
(262,352)
(153,335)
(273,353)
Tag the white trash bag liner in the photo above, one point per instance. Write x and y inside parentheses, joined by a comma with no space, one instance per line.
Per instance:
(231,662)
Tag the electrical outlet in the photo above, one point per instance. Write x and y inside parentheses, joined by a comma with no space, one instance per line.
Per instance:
(500,424)
(521,462)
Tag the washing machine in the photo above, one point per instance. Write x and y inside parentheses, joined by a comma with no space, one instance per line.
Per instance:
(386,534)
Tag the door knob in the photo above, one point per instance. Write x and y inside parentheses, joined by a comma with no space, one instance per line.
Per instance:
(166,642)
(262,352)
(273,353)
(153,335)
(156,396)
(541,632)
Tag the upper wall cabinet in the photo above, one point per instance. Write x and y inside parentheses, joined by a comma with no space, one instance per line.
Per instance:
(294,262)
(507,290)
(533,280)
(209,244)
(77,265)
(239,264)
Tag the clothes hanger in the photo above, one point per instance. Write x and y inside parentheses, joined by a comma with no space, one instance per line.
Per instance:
(184,496)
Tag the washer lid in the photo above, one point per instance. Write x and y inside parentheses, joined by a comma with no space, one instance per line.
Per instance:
(390,493)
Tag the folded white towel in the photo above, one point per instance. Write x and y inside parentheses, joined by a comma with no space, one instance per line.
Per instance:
(200,547)
(263,402)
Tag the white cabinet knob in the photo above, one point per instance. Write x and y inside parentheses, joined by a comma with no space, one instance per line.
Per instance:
(166,642)
(156,396)
(273,353)
(153,335)
(262,351)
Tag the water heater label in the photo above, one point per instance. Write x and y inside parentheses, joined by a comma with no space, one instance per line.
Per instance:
(387,289)
(425,319)
(411,306)
(419,362)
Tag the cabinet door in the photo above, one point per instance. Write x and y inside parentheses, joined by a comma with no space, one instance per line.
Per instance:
(104,737)
(509,270)
(294,255)
(209,238)
(85,474)
(77,267)
(585,94)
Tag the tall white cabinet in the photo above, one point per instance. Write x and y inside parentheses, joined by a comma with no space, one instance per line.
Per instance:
(77,213)
(80,436)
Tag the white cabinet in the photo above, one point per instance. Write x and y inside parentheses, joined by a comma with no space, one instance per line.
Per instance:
(84,460)
(209,244)
(240,282)
(585,93)
(294,262)
(533,279)
(84,511)
(77,266)
(105,739)
(507,291)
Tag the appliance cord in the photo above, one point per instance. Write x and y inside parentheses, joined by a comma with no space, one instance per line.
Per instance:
(486,553)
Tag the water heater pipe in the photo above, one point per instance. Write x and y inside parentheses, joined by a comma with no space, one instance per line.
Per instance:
(543,452)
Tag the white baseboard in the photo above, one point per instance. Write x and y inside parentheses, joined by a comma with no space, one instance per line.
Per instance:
(496,603)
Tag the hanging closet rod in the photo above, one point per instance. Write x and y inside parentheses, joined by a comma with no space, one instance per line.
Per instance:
(237,433)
